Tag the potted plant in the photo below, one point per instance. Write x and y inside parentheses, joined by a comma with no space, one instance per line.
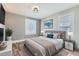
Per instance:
(8,34)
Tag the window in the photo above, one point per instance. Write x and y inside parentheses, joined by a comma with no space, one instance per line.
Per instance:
(66,22)
(30,27)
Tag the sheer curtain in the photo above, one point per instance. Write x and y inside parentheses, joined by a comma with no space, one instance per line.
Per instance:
(30,27)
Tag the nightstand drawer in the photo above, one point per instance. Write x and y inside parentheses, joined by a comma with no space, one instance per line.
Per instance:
(66,45)
(69,45)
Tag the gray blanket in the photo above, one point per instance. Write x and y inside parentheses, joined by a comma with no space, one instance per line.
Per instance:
(49,46)
(40,47)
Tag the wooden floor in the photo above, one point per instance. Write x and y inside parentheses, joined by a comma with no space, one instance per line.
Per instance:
(18,49)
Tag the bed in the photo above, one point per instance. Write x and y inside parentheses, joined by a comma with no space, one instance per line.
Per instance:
(43,46)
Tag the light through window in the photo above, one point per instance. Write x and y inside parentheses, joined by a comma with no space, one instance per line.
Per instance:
(30,27)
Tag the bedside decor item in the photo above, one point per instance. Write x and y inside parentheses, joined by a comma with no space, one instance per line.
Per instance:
(48,24)
(70,35)
(41,34)
(9,33)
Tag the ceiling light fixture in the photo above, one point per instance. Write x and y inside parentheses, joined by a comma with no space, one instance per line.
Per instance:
(35,8)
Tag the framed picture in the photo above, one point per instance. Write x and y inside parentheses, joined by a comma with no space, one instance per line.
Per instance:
(48,24)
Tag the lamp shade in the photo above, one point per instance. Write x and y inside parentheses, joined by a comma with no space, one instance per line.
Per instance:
(70,33)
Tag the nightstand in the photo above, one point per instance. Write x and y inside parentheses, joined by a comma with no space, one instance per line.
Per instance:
(70,45)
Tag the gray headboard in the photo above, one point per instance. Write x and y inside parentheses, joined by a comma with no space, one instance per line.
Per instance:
(62,33)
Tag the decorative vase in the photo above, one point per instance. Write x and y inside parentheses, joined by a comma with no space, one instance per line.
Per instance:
(9,38)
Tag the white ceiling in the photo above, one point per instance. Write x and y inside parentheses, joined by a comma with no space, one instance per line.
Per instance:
(46,9)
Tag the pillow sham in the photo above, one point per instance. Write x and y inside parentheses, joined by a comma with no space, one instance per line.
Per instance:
(56,35)
(50,35)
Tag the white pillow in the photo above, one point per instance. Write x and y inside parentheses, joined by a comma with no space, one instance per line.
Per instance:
(55,35)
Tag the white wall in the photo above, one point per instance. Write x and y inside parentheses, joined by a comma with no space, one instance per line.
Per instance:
(17,24)
(56,22)
(76,26)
